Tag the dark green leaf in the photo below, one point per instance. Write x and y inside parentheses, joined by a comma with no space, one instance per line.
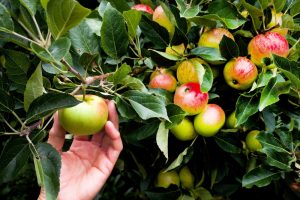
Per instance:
(6,102)
(269,120)
(62,15)
(255,13)
(211,55)
(30,5)
(269,141)
(165,195)
(120,5)
(228,48)
(179,160)
(48,103)
(245,107)
(133,18)
(114,38)
(133,83)
(142,132)
(295,8)
(227,144)
(176,115)
(162,137)
(6,21)
(120,74)
(278,159)
(125,109)
(279,5)
(260,177)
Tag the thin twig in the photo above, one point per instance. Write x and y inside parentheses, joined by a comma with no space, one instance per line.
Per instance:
(73,71)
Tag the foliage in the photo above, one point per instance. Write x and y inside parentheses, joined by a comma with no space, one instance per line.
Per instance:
(53,49)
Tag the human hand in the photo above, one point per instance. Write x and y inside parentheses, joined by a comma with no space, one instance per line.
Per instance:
(89,162)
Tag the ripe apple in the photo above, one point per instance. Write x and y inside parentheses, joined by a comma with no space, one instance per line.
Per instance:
(86,118)
(187,71)
(162,19)
(213,37)
(166,179)
(176,50)
(143,7)
(240,73)
(190,98)
(184,131)
(210,120)
(252,143)
(262,46)
(186,177)
(231,120)
(163,78)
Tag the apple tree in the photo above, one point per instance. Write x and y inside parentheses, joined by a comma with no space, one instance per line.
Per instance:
(51,50)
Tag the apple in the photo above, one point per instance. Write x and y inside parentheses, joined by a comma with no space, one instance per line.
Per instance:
(187,71)
(240,73)
(264,45)
(176,50)
(231,121)
(86,118)
(166,179)
(252,143)
(143,7)
(184,131)
(160,17)
(186,177)
(163,78)
(210,120)
(190,98)
(213,37)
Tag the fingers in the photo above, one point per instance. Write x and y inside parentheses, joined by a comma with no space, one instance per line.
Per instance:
(113,114)
(114,135)
(57,134)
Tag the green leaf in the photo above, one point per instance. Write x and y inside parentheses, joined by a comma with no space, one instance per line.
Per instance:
(209,54)
(120,5)
(180,158)
(260,177)
(278,159)
(125,109)
(50,162)
(162,139)
(44,3)
(295,8)
(142,132)
(270,94)
(114,38)
(146,105)
(227,144)
(34,87)
(30,5)
(187,11)
(62,15)
(255,13)
(6,102)
(279,5)
(120,74)
(133,83)
(176,115)
(228,48)
(133,18)
(245,107)
(269,120)
(205,75)
(48,103)
(84,39)
(269,141)
(167,56)
(6,21)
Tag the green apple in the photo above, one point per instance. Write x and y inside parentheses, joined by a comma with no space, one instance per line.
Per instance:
(213,37)
(186,177)
(166,179)
(231,121)
(184,131)
(252,143)
(160,17)
(240,73)
(86,118)
(210,120)
(164,79)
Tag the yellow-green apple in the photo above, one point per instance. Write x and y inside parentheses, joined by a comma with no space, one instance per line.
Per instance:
(184,131)
(210,120)
(186,177)
(190,98)
(231,120)
(264,45)
(187,70)
(240,73)
(252,142)
(164,79)
(163,20)
(143,7)
(86,118)
(166,179)
(176,50)
(213,37)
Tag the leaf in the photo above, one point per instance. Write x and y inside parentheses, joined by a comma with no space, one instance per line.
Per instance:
(209,54)
(56,51)
(133,83)
(227,144)
(279,5)
(6,102)
(50,162)
(62,15)
(228,48)
(119,75)
(48,103)
(260,177)
(269,120)
(176,115)
(34,87)
(245,107)
(120,5)
(270,94)
(133,18)
(146,105)
(142,132)
(205,75)
(125,109)
(179,160)
(269,141)
(162,139)
(278,159)
(167,56)
(114,38)
(30,5)
(255,13)
(187,11)
(295,8)
(6,21)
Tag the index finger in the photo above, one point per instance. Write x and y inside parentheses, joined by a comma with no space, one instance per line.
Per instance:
(113,114)
(57,134)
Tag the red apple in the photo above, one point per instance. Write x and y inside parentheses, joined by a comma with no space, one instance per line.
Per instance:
(262,46)
(162,19)
(163,78)
(143,7)
(85,118)
(213,37)
(190,98)
(210,120)
(240,73)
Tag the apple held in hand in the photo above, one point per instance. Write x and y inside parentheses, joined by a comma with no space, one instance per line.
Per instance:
(86,118)
(163,79)
(210,120)
(190,98)
(184,131)
(213,37)
(262,46)
(142,7)
(160,17)
(166,179)
(240,73)
(252,143)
